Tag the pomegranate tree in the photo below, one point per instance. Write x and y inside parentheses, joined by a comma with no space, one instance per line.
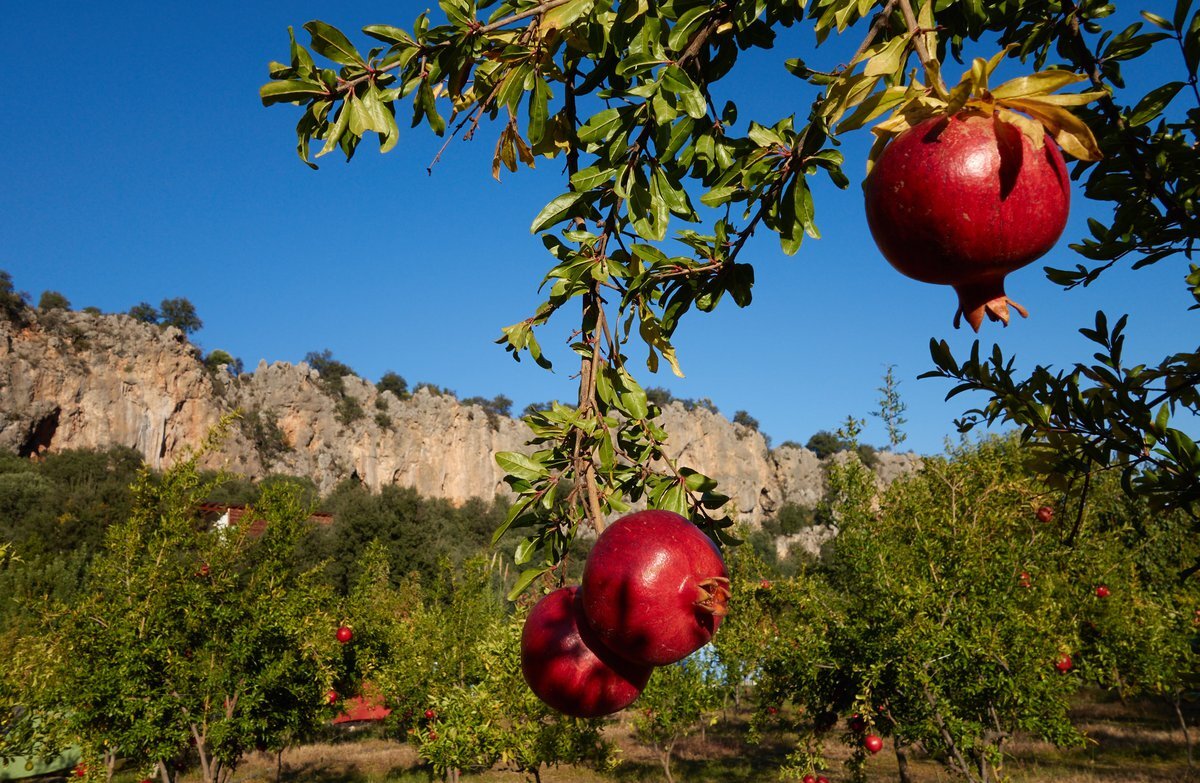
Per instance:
(654,587)
(964,199)
(568,667)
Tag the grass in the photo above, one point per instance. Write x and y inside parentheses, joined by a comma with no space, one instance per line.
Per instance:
(1134,743)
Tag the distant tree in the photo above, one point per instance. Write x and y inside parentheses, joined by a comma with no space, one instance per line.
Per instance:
(218,358)
(435,390)
(891,408)
(181,314)
(494,408)
(92,310)
(12,302)
(53,300)
(824,443)
(394,383)
(746,420)
(331,370)
(144,312)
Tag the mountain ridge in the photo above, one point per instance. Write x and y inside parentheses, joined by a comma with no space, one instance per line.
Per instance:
(85,380)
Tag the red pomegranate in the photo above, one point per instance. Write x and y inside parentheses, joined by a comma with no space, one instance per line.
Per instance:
(568,667)
(1045,514)
(964,200)
(1064,663)
(873,743)
(1102,591)
(344,634)
(654,587)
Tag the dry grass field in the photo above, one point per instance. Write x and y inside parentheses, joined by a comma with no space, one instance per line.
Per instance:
(1133,743)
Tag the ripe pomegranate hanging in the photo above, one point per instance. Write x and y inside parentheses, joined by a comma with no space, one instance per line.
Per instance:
(654,587)
(963,200)
(568,667)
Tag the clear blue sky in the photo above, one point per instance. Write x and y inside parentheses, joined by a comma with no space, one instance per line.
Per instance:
(138,164)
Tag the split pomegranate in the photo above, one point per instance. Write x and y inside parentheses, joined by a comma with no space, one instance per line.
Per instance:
(568,667)
(654,587)
(964,200)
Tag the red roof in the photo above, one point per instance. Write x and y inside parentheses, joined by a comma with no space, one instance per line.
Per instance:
(368,707)
(237,510)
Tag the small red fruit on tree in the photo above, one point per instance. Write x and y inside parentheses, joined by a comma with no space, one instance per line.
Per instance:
(856,723)
(765,584)
(654,587)
(964,200)
(772,710)
(80,770)
(567,665)
(1025,580)
(808,779)
(344,634)
(1102,591)
(1064,663)
(822,779)
(332,697)
(872,743)
(432,736)
(430,714)
(1045,514)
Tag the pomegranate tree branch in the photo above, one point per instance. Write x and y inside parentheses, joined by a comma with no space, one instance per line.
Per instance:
(877,26)
(918,37)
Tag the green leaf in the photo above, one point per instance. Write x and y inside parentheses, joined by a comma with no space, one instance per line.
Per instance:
(555,211)
(601,126)
(525,580)
(687,25)
(1153,103)
(290,91)
(336,131)
(539,99)
(516,464)
(389,34)
(586,179)
(330,42)
(429,106)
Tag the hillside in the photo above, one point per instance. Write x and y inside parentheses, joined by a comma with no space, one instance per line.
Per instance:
(83,380)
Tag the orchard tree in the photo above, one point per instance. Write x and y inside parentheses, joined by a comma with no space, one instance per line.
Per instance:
(189,638)
(180,313)
(678,701)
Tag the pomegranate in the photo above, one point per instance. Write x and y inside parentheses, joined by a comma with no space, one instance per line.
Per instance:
(857,724)
(568,667)
(1064,663)
(654,587)
(1045,514)
(344,634)
(872,743)
(332,697)
(964,200)
(1102,591)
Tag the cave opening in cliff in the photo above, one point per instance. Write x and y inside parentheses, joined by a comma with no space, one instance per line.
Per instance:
(40,435)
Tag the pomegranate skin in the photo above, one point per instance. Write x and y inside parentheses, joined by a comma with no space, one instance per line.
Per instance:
(568,667)
(964,200)
(654,587)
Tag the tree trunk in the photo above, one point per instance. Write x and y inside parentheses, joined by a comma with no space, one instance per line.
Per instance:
(279,765)
(164,772)
(1187,735)
(665,756)
(902,764)
(110,764)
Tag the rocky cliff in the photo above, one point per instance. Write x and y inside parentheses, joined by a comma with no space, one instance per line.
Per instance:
(78,380)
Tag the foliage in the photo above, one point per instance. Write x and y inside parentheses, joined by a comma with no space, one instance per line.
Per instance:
(498,406)
(746,420)
(181,314)
(946,605)
(675,703)
(415,532)
(53,300)
(447,659)
(263,430)
(891,408)
(12,302)
(332,371)
(394,383)
(186,636)
(218,358)
(663,397)
(348,410)
(144,312)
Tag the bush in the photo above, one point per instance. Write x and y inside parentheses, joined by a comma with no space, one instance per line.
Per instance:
(214,361)
(53,300)
(394,383)
(12,303)
(349,410)
(181,314)
(264,432)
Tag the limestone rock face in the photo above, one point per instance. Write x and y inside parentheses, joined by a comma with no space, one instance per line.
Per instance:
(77,380)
